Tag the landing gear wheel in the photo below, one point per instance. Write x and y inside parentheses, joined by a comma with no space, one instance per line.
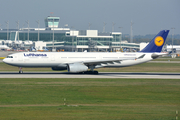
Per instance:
(91,72)
(95,72)
(20,72)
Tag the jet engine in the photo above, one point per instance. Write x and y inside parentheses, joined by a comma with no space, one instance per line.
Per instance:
(59,68)
(77,67)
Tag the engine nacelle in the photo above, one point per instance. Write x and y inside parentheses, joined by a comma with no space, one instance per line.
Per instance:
(77,67)
(59,68)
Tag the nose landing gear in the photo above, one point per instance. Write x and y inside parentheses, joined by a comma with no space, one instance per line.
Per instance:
(20,70)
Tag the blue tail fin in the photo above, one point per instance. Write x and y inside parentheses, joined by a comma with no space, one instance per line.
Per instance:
(157,43)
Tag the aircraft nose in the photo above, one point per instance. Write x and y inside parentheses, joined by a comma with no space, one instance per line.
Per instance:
(5,60)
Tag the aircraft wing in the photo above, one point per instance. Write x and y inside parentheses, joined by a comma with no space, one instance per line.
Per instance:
(99,62)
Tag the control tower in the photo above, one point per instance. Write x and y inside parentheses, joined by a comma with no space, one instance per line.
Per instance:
(51,21)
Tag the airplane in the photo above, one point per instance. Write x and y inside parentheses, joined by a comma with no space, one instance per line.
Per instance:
(4,47)
(81,62)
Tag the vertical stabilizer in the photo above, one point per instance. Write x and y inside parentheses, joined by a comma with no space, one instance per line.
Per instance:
(157,43)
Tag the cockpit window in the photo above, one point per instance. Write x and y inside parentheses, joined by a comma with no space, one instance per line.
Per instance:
(9,56)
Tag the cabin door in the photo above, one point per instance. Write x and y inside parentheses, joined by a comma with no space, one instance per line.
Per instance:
(20,58)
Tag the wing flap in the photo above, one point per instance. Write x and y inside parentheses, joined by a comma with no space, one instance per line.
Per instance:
(107,61)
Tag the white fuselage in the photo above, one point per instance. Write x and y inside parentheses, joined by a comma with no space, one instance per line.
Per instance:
(56,59)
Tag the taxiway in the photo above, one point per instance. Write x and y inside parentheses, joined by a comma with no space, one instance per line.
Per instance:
(100,75)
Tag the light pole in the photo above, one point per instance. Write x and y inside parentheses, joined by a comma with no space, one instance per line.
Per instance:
(113,26)
(172,41)
(131,40)
(53,50)
(53,34)
(38,28)
(120,37)
(23,32)
(28,29)
(104,27)
(7,24)
(72,38)
(90,26)
(18,29)
(0,26)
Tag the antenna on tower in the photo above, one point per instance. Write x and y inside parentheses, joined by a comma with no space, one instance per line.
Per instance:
(104,27)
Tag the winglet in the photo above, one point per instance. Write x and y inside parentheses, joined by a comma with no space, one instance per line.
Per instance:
(157,43)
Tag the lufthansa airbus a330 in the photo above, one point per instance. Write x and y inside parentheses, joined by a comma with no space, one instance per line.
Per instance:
(77,62)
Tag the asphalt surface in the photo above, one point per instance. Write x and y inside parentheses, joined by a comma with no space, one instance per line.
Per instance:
(100,75)
(6,53)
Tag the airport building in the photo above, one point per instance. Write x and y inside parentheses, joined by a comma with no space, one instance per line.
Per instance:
(63,38)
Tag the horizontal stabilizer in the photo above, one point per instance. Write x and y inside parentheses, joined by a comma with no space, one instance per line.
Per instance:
(156,55)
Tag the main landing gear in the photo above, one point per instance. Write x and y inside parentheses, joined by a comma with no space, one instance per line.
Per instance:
(20,70)
(91,72)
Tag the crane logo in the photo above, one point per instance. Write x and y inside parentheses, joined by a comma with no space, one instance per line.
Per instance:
(159,41)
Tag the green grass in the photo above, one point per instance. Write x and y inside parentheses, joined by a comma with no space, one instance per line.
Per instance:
(167,59)
(107,99)
(146,67)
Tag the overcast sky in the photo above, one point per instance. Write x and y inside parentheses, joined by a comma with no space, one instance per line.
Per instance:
(148,16)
